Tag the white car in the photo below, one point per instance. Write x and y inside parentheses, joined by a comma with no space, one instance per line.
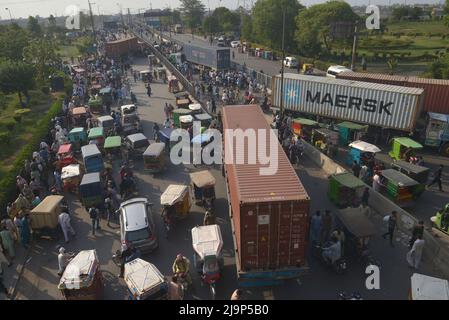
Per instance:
(291,62)
(235,44)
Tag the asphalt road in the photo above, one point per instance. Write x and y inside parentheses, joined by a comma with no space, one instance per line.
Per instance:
(39,279)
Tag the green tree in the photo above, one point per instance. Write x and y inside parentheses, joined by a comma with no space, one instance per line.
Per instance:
(34,27)
(247,27)
(12,41)
(192,13)
(211,26)
(392,64)
(42,54)
(229,21)
(16,77)
(267,17)
(317,20)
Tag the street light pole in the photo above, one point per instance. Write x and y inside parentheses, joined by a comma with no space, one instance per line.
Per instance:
(10,16)
(282,68)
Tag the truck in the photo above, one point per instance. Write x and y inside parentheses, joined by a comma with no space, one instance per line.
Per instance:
(434,127)
(119,48)
(208,56)
(269,212)
(378,105)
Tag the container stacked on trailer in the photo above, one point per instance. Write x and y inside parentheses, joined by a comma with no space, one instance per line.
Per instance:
(269,213)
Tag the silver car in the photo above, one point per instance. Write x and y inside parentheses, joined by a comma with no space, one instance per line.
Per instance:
(137,227)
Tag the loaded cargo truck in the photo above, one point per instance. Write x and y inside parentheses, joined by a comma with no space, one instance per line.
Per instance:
(122,47)
(208,56)
(269,213)
(434,129)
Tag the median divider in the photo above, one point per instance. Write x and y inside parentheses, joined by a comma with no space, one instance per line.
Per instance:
(436,249)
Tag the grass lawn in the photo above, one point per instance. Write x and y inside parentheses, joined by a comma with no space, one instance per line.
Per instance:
(433,26)
(21,132)
(68,51)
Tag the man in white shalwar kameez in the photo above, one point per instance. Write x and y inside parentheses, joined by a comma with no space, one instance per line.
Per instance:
(64,222)
(415,254)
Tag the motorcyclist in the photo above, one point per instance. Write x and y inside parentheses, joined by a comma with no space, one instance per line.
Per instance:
(181,268)
(332,253)
(125,254)
(126,186)
(133,98)
(168,214)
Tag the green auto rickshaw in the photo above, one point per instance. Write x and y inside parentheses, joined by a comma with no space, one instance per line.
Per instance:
(177,113)
(400,188)
(97,134)
(350,131)
(417,173)
(402,148)
(77,137)
(441,219)
(113,146)
(345,189)
(204,118)
(95,104)
(106,95)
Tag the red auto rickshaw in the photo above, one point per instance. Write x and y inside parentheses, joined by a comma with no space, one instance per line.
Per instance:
(65,155)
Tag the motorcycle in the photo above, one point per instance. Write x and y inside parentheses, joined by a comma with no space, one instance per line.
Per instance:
(183,282)
(117,257)
(339,266)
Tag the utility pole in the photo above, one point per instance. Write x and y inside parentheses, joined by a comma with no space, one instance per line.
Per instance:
(354,48)
(92,21)
(129,17)
(282,68)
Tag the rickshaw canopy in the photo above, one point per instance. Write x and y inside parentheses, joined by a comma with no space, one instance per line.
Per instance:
(173,194)
(439,116)
(183,102)
(207,240)
(348,180)
(186,119)
(195,107)
(90,150)
(81,270)
(104,119)
(172,78)
(142,278)
(202,179)
(201,138)
(306,122)
(47,205)
(352,125)
(182,111)
(364,146)
(96,132)
(145,72)
(154,149)
(181,95)
(70,171)
(65,148)
(90,178)
(76,130)
(356,222)
(408,143)
(79,111)
(203,117)
(410,167)
(113,142)
(128,109)
(107,90)
(133,138)
(326,132)
(429,288)
(398,178)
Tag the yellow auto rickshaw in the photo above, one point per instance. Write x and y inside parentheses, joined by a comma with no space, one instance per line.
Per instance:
(176,198)
(154,158)
(44,217)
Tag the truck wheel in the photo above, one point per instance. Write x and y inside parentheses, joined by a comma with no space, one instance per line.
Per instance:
(445,150)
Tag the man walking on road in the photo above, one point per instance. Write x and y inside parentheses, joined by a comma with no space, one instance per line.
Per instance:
(64,222)
(415,254)
(392,223)
(437,177)
(95,217)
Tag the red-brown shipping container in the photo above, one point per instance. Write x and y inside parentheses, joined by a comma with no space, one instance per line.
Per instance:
(269,213)
(118,48)
(436,91)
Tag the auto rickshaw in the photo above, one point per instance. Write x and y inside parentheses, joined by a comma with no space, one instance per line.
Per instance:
(113,146)
(65,155)
(350,131)
(185,121)
(403,148)
(97,134)
(128,109)
(95,104)
(183,103)
(208,261)
(175,201)
(203,186)
(307,68)
(428,288)
(195,108)
(177,113)
(91,190)
(345,189)
(79,117)
(358,230)
(145,281)
(136,144)
(77,137)
(160,74)
(130,124)
(362,152)
(303,128)
(71,178)
(204,118)
(107,123)
(181,95)
(325,140)
(173,84)
(44,217)
(82,278)
(400,188)
(145,75)
(154,158)
(92,158)
(441,219)
(106,95)
(417,173)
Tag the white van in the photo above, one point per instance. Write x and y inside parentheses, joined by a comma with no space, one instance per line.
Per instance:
(333,71)
(291,62)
